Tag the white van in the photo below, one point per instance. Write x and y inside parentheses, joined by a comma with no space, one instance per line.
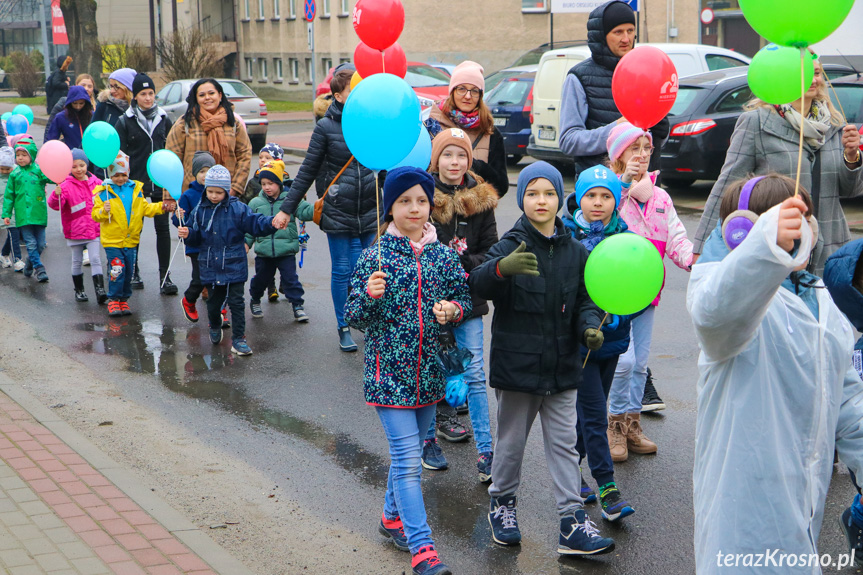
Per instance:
(689,59)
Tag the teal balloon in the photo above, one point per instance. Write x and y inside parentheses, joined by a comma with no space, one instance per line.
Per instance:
(624,274)
(380,121)
(166,170)
(420,155)
(101,143)
(6,116)
(795,23)
(25,111)
(17,124)
(774,74)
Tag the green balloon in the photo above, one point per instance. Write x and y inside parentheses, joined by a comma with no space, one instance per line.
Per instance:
(624,274)
(796,23)
(25,111)
(6,116)
(774,74)
(101,143)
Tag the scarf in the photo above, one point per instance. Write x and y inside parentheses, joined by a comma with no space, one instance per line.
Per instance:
(149,113)
(464,121)
(429,235)
(120,103)
(817,122)
(642,190)
(212,125)
(591,233)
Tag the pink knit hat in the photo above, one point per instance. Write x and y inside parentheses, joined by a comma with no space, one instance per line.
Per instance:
(622,136)
(467,72)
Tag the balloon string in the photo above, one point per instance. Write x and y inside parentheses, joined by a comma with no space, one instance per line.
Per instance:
(838,101)
(588,351)
(802,121)
(378,211)
(383,63)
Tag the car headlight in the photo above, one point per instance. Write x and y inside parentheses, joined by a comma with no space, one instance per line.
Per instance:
(425,102)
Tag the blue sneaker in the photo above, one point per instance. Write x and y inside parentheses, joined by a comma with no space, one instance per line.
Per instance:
(216,335)
(614,506)
(501,517)
(426,562)
(854,535)
(483,464)
(240,347)
(579,536)
(433,457)
(394,529)
(587,493)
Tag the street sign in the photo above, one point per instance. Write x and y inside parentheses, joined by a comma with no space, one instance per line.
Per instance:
(309,10)
(707,16)
(311,37)
(575,6)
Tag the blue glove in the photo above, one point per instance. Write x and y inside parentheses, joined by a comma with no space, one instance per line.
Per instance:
(612,323)
(456,390)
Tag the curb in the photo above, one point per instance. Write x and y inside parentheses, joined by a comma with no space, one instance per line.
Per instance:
(188,533)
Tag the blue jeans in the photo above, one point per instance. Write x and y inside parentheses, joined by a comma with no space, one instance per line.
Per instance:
(345,250)
(13,244)
(592,420)
(469,336)
(627,389)
(404,498)
(34,239)
(121,267)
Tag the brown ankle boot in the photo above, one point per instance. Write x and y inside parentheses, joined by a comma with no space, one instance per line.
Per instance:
(636,441)
(617,437)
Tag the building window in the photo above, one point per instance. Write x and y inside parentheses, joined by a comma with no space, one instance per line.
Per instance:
(534,5)
(295,69)
(277,64)
(309,70)
(344,60)
(276,13)
(292,9)
(260,9)
(246,9)
(344,11)
(250,68)
(326,9)
(326,64)
(262,68)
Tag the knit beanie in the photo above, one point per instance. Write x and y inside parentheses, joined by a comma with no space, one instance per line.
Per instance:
(218,177)
(78,154)
(274,150)
(400,180)
(615,14)
(125,76)
(622,136)
(450,137)
(202,159)
(534,171)
(597,177)
(140,83)
(467,72)
(120,165)
(274,170)
(7,157)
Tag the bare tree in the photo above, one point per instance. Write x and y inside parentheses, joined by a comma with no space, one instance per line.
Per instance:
(187,54)
(80,17)
(26,76)
(127,52)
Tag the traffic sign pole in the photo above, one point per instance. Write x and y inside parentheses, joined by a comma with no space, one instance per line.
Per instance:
(309,11)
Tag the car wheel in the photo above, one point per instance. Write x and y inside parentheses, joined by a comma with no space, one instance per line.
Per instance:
(513,159)
(680,183)
(258,142)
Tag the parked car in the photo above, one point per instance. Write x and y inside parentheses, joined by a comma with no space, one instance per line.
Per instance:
(532,57)
(253,110)
(492,80)
(706,111)
(445,68)
(555,64)
(510,103)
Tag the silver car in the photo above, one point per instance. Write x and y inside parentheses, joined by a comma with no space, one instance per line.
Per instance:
(253,110)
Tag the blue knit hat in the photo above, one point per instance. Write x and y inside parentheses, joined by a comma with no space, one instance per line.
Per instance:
(274,150)
(401,180)
(539,170)
(78,154)
(218,177)
(597,177)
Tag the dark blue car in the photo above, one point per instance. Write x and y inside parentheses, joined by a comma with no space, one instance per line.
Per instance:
(510,102)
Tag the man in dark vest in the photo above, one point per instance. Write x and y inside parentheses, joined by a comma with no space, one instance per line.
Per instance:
(587,108)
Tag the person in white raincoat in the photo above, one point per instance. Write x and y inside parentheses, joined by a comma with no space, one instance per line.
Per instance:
(776,394)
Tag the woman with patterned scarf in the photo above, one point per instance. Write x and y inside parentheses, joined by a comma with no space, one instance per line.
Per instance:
(766,139)
(464,108)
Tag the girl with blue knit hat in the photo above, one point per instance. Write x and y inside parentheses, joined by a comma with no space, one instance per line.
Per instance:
(402,290)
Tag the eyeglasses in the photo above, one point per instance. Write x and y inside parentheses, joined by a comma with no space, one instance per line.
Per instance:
(474,92)
(637,149)
(113,86)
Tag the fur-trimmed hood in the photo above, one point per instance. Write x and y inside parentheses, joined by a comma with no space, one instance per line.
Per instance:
(474,197)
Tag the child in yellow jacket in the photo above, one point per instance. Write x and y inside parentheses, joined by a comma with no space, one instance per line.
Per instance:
(119,206)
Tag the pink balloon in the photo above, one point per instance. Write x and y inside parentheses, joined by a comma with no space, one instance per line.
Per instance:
(55,160)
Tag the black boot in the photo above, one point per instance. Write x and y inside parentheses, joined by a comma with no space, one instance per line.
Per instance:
(137,282)
(80,295)
(167,286)
(99,285)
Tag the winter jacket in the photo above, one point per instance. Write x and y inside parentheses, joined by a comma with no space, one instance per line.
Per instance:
(539,322)
(75,203)
(284,242)
(66,123)
(139,140)
(776,395)
(472,204)
(765,142)
(219,232)
(838,277)
(350,206)
(56,86)
(185,140)
(109,109)
(25,193)
(489,153)
(4,179)
(119,229)
(400,326)
(188,202)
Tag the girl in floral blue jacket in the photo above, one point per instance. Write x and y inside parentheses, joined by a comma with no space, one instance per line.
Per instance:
(402,290)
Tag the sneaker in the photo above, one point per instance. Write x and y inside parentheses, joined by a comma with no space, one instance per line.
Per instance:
(6,261)
(272,295)
(450,428)
(114,309)
(462,409)
(169,287)
(300,314)
(41,274)
(483,464)
(189,310)
(86,258)
(614,506)
(28,269)
(137,282)
(579,536)
(240,347)
(433,457)
(394,529)
(255,306)
(651,400)
(346,342)
(426,562)
(216,336)
(124,307)
(501,517)
(19,265)
(587,493)
(854,534)
(225,323)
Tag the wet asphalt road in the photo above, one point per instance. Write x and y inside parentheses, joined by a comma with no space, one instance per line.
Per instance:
(295,411)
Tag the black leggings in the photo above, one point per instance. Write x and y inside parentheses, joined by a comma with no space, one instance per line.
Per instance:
(163,241)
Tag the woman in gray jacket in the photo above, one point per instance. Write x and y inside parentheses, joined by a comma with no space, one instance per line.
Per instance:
(766,139)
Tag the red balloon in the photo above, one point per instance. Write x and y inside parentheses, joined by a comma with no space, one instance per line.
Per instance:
(379,23)
(369,62)
(644,86)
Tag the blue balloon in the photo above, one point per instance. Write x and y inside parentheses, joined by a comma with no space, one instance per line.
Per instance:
(166,171)
(420,156)
(380,121)
(17,124)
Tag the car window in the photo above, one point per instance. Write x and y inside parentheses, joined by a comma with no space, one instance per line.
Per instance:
(549,80)
(734,100)
(686,64)
(686,98)
(237,90)
(494,80)
(173,95)
(529,58)
(510,92)
(851,98)
(720,62)
(425,77)
(162,96)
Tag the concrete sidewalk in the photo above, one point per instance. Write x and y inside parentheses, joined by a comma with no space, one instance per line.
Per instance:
(66,508)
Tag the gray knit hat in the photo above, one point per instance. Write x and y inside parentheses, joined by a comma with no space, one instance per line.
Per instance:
(7,157)
(78,154)
(218,177)
(201,160)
